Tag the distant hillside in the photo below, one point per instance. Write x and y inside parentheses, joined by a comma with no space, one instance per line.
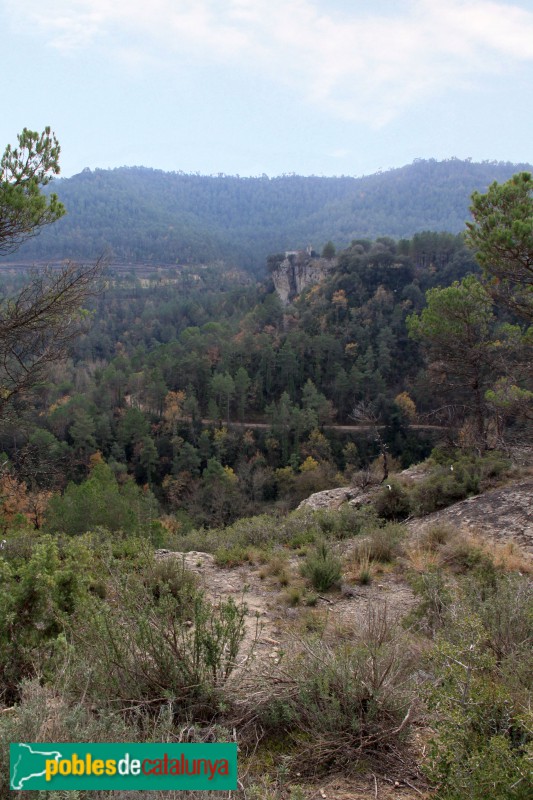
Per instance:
(143,215)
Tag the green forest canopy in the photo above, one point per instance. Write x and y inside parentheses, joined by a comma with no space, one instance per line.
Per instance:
(139,215)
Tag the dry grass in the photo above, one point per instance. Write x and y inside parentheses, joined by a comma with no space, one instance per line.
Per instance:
(436,536)
(419,559)
(424,551)
(277,568)
(382,546)
(360,567)
(507,556)
(276,564)
(376,554)
(311,620)
(443,546)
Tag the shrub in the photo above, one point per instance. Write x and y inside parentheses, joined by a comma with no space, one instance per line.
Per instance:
(361,566)
(504,606)
(156,641)
(169,577)
(45,714)
(382,544)
(435,536)
(232,556)
(456,476)
(276,564)
(36,598)
(293,596)
(492,464)
(322,568)
(342,704)
(101,501)
(295,530)
(435,599)
(365,574)
(305,536)
(461,554)
(344,522)
(393,501)
(484,741)
(441,489)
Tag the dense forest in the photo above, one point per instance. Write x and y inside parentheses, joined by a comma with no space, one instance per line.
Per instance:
(139,215)
(202,387)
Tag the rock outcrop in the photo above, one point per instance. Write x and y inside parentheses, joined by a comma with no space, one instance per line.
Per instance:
(331,499)
(503,514)
(298,270)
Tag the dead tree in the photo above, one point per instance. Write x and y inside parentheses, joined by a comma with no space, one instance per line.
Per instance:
(364,413)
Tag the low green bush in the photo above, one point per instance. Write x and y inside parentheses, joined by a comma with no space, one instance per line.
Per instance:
(168,577)
(456,476)
(231,556)
(460,555)
(345,522)
(102,501)
(434,601)
(484,731)
(435,536)
(157,639)
(441,489)
(393,501)
(492,464)
(36,598)
(322,568)
(295,530)
(381,544)
(46,713)
(504,605)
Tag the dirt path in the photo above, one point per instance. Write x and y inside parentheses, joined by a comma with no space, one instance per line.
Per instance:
(504,514)
(331,427)
(272,624)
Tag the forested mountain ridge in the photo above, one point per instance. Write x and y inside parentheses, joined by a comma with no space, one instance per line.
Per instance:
(140,215)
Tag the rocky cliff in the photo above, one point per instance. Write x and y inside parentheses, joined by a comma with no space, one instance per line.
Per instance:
(298,270)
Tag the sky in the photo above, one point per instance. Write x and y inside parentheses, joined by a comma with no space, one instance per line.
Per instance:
(252,87)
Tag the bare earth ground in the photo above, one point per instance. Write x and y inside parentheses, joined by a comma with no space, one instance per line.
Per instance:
(270,622)
(503,514)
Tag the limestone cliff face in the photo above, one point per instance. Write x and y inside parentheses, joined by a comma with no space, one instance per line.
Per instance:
(298,270)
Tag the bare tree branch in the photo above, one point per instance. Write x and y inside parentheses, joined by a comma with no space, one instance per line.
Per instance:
(38,325)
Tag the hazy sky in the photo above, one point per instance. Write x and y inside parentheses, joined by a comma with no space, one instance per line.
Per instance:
(325,87)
